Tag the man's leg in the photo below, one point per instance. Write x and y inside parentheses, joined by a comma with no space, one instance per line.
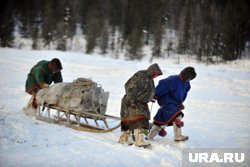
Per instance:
(177,124)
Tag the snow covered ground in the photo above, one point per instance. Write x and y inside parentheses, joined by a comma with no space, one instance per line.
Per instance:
(216,115)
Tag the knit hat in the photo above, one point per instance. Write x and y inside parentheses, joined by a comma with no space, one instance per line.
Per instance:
(188,73)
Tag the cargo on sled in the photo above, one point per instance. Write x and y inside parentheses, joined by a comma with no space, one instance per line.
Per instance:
(80,105)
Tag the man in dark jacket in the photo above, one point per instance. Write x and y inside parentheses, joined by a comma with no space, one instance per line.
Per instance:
(170,94)
(41,76)
(135,113)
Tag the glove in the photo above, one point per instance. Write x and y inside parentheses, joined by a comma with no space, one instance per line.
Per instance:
(44,85)
(181,106)
(163,132)
(154,99)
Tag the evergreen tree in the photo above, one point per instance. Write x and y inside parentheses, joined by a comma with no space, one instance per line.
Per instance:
(157,26)
(234,31)
(65,25)
(105,17)
(207,28)
(195,30)
(104,38)
(185,35)
(6,23)
(49,18)
(133,29)
(93,25)
(36,21)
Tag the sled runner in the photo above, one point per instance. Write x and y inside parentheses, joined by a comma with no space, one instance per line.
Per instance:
(80,105)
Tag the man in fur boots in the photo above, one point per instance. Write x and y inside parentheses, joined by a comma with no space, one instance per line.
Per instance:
(170,94)
(135,113)
(41,76)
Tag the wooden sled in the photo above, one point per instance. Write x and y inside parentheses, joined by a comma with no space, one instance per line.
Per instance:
(80,105)
(83,121)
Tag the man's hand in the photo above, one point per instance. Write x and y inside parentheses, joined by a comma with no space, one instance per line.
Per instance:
(181,106)
(154,99)
(44,85)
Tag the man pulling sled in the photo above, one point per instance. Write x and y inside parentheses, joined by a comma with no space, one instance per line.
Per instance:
(170,94)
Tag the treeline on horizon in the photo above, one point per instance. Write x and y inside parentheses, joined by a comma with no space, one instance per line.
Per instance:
(205,28)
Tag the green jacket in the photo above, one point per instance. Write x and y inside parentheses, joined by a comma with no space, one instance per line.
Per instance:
(41,74)
(140,90)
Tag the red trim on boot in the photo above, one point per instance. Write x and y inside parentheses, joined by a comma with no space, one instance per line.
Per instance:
(178,123)
(163,132)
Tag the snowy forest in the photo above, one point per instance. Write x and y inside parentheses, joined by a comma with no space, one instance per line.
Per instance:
(211,30)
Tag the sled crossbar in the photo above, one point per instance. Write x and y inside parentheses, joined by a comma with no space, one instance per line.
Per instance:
(77,124)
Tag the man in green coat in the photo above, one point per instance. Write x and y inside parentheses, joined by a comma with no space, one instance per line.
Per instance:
(135,114)
(41,76)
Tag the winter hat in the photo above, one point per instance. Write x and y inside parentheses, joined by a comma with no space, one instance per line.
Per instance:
(57,66)
(188,73)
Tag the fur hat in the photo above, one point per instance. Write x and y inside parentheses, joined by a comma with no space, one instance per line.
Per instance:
(188,73)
